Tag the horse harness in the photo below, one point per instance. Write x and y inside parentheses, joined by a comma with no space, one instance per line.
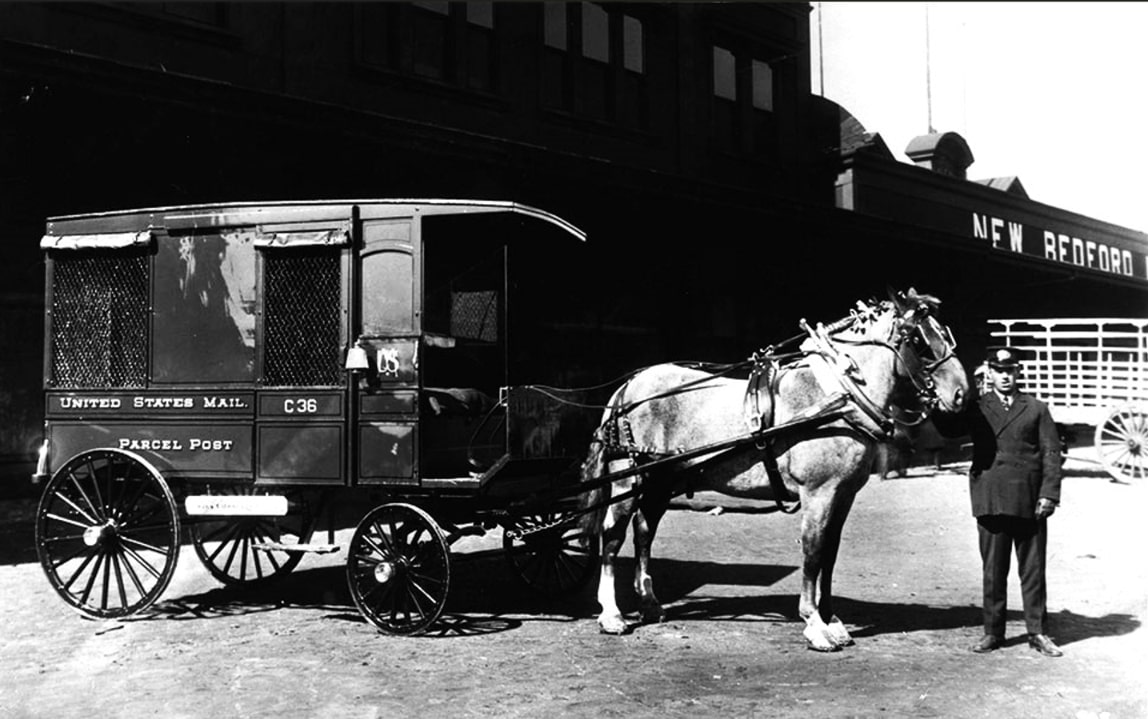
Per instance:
(762,386)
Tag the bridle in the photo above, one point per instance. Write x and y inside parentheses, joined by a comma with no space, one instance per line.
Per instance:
(912,332)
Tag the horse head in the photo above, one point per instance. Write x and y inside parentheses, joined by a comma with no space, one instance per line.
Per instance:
(928,352)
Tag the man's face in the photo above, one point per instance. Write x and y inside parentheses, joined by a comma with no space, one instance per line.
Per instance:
(1003,380)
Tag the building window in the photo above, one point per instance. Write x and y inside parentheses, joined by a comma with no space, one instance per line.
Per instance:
(554,21)
(595,33)
(725,74)
(480,45)
(762,85)
(633,45)
(429,23)
(743,100)
(605,78)
(446,42)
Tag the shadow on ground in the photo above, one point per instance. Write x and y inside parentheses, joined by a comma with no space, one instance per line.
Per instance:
(486,598)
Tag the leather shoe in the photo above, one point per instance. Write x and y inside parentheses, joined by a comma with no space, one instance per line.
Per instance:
(988,643)
(1044,645)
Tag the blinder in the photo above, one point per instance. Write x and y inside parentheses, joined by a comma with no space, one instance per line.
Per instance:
(923,345)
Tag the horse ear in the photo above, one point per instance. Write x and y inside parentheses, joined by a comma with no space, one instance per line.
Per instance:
(897,297)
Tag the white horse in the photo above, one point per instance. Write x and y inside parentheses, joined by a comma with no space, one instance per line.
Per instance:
(885,354)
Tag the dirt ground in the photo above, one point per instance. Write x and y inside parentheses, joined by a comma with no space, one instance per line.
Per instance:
(908,581)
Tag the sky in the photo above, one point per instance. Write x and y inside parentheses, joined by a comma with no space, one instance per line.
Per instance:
(1051,92)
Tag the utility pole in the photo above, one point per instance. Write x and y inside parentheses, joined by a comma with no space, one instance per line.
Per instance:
(928,72)
(820,54)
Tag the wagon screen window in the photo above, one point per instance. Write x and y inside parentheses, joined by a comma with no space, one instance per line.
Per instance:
(99,321)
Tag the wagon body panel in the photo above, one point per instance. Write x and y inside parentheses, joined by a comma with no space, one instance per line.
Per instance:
(211,340)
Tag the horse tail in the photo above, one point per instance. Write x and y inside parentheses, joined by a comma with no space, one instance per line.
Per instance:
(593,468)
(605,440)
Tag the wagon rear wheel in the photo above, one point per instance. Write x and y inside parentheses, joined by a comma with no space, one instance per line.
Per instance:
(398,569)
(107,533)
(554,561)
(1122,443)
(245,550)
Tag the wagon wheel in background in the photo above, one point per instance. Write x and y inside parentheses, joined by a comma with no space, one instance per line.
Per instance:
(236,549)
(107,533)
(398,569)
(1122,443)
(555,561)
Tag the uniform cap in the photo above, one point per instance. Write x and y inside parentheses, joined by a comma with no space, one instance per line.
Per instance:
(1003,357)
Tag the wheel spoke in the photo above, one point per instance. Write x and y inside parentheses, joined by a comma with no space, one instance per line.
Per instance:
(142,545)
(92,579)
(116,559)
(67,520)
(134,577)
(75,507)
(129,552)
(80,570)
(95,510)
(94,476)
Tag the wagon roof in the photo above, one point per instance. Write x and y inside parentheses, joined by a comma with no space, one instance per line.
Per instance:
(251,213)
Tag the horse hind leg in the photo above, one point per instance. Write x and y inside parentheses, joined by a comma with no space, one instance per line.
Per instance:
(613,536)
(646,519)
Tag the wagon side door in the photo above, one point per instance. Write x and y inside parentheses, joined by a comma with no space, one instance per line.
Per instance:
(385,398)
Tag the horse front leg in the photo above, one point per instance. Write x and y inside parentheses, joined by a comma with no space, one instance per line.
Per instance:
(814,525)
(834,627)
(646,519)
(822,524)
(613,536)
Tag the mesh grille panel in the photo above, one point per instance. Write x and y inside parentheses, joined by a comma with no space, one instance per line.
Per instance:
(301,319)
(474,315)
(99,321)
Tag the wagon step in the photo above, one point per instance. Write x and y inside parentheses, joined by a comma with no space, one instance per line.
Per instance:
(296,548)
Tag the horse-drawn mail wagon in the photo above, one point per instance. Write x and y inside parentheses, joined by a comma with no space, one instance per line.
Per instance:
(255,372)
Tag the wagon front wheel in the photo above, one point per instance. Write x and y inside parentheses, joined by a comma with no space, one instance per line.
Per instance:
(1122,442)
(107,533)
(550,553)
(398,569)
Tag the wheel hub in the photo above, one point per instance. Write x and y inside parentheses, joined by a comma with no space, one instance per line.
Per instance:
(99,533)
(385,571)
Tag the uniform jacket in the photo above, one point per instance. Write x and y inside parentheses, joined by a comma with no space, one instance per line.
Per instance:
(1016,455)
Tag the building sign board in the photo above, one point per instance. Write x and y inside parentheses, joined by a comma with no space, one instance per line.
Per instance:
(1059,246)
(982,216)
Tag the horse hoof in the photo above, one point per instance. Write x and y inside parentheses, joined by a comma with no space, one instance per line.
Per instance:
(653,615)
(613,625)
(818,640)
(836,633)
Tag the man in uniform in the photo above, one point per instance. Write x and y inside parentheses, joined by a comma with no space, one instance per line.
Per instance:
(1014,484)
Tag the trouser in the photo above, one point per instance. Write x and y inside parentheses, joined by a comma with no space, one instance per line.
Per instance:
(998,535)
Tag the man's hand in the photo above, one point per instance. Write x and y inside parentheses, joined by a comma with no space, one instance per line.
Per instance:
(1045,508)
